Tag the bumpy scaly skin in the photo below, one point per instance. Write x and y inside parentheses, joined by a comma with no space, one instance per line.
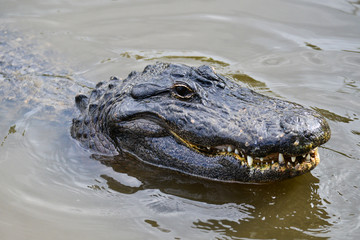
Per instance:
(198,122)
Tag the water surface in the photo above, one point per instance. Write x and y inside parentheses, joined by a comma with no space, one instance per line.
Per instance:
(303,51)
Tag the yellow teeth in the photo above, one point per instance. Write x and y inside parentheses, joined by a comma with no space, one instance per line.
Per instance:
(308,160)
(250,160)
(281,158)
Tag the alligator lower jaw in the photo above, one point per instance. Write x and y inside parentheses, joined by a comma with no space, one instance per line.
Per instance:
(275,160)
(279,162)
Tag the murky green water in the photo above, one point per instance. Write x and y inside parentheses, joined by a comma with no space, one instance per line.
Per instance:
(50,188)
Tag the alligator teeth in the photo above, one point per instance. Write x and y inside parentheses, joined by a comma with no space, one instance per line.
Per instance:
(268,160)
(317,153)
(250,160)
(314,150)
(281,158)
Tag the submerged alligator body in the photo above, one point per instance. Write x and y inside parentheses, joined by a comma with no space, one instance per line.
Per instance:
(198,122)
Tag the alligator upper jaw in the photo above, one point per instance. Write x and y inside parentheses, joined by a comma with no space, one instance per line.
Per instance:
(272,162)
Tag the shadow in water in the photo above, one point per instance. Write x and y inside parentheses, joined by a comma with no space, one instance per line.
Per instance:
(291,209)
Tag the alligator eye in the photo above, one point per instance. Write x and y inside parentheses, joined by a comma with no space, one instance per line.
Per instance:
(183,91)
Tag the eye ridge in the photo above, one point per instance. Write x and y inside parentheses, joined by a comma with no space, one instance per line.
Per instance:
(183,91)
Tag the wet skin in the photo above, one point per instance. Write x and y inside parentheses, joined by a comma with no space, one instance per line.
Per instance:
(198,122)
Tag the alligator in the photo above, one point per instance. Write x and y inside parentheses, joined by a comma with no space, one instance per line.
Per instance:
(198,122)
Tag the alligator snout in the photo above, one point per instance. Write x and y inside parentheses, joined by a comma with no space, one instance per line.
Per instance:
(301,133)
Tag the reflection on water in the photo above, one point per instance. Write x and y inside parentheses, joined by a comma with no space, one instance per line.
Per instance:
(196,59)
(242,206)
(173,57)
(332,116)
(251,83)
(12,130)
(313,46)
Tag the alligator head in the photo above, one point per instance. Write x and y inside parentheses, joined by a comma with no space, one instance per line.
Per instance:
(198,122)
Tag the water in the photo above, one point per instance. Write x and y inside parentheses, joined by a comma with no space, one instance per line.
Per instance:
(303,51)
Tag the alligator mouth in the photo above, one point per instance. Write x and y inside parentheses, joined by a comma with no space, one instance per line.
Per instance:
(274,161)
